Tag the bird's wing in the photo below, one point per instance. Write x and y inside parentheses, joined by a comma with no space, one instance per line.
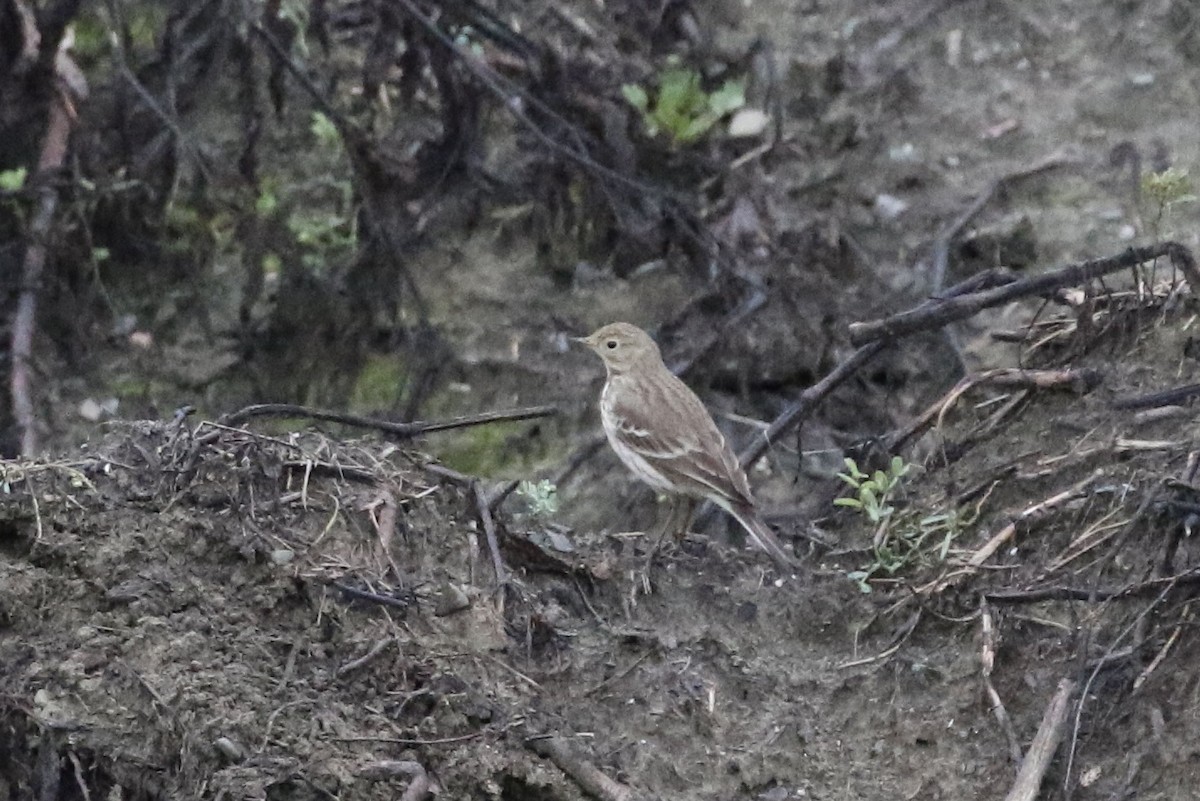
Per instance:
(671,430)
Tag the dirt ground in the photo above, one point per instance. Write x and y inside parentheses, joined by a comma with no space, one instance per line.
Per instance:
(197,612)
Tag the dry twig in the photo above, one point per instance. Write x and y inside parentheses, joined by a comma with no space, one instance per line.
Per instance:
(1045,743)
(936,315)
(489,529)
(989,548)
(54,151)
(590,779)
(1082,380)
(406,430)
(987,660)
(803,407)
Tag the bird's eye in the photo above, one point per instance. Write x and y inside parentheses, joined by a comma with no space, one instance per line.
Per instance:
(611,344)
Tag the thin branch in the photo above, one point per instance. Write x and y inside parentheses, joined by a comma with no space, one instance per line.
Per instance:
(1079,381)
(987,660)
(806,404)
(590,779)
(1154,400)
(489,530)
(54,151)
(406,430)
(941,248)
(931,316)
(1141,589)
(1045,743)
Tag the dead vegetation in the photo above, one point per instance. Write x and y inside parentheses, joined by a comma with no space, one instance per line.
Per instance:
(218,609)
(205,609)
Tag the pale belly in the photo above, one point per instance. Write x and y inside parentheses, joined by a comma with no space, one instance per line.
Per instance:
(637,465)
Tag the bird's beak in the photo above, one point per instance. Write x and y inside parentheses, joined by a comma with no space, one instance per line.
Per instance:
(582,340)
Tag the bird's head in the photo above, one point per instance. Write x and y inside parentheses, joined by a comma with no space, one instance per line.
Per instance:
(622,346)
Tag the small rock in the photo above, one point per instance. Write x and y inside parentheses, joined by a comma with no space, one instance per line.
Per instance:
(93,410)
(282,556)
(450,599)
(141,339)
(889,207)
(90,410)
(748,122)
(560,541)
(1142,78)
(1126,233)
(954,40)
(904,153)
(229,749)
(125,325)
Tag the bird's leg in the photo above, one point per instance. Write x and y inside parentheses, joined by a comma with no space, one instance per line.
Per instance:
(669,527)
(675,526)
(685,508)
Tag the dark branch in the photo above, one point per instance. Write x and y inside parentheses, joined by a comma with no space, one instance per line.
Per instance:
(406,430)
(930,316)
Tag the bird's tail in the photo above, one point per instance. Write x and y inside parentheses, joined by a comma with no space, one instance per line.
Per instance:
(761,535)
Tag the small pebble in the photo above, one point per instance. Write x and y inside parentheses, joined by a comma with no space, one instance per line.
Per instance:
(748,122)
(889,207)
(229,749)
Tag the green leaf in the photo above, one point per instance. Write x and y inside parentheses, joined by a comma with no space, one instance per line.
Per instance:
(849,480)
(853,503)
(266,203)
(729,98)
(899,468)
(696,128)
(14,179)
(324,130)
(636,96)
(677,91)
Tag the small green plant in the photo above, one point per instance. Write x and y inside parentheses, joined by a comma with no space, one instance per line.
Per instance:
(872,492)
(13,180)
(898,541)
(1165,190)
(681,108)
(540,496)
(325,131)
(909,542)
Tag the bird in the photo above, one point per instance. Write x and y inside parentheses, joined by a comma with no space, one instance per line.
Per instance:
(661,431)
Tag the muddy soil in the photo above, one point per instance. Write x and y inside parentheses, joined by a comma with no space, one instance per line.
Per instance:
(187,611)
(207,613)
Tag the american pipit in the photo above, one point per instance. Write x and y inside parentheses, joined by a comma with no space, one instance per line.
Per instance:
(665,436)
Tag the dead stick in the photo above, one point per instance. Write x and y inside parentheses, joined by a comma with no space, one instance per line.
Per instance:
(397,429)
(54,152)
(987,661)
(1082,380)
(1138,590)
(489,530)
(1045,743)
(1154,400)
(355,664)
(803,407)
(589,778)
(930,316)
(941,248)
(990,547)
